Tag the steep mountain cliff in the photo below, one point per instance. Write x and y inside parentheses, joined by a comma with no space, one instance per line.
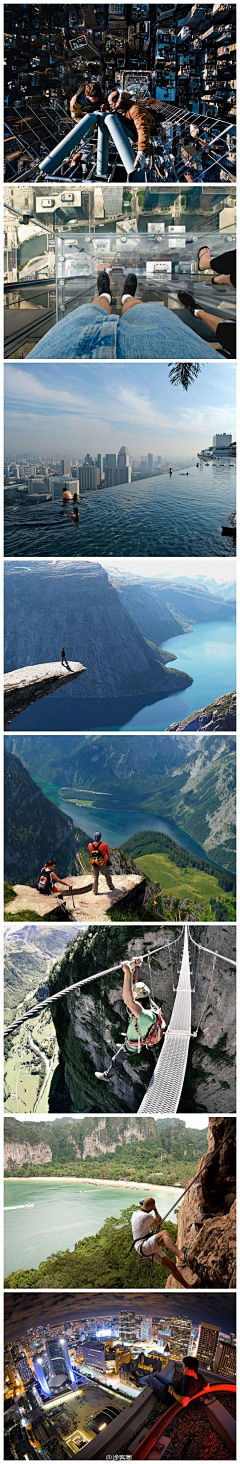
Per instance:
(166,608)
(47,604)
(89,1023)
(28,958)
(80,1145)
(207,1215)
(189,780)
(34,829)
(218,716)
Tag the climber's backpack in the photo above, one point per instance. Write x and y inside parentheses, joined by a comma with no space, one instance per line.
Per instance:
(43,884)
(96,858)
(136,1036)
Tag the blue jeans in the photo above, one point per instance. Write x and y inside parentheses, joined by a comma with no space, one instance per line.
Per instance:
(144,332)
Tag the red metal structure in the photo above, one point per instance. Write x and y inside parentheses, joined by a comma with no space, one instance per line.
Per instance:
(151,1438)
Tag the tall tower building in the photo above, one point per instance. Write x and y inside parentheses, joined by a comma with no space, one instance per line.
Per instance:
(225,1360)
(66,466)
(124,458)
(208,1338)
(59,1362)
(129,1328)
(180,1337)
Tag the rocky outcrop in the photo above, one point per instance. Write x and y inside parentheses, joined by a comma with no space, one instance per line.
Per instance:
(30,683)
(207,1215)
(98,1142)
(218,716)
(16,1155)
(80,607)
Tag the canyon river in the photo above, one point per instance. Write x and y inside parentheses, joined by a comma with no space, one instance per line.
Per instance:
(48,1215)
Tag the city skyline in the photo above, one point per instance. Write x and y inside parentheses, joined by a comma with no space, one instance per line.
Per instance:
(71,409)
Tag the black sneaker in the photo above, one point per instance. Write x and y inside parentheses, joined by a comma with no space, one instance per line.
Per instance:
(103,283)
(187,300)
(130,285)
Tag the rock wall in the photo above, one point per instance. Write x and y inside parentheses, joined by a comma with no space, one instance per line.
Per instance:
(25,1153)
(207,1215)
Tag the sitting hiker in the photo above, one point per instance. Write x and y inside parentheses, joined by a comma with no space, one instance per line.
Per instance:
(146,1026)
(100,859)
(147,1243)
(47,879)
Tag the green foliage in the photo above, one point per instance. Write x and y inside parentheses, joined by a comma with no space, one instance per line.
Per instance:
(106,1257)
(184,373)
(9,893)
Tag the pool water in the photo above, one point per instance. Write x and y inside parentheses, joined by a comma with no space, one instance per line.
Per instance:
(162,516)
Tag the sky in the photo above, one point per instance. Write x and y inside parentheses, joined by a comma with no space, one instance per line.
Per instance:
(192,1120)
(68,409)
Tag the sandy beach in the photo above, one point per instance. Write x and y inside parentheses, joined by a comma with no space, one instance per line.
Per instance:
(156,1189)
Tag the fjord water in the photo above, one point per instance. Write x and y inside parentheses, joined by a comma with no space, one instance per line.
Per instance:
(118,824)
(62,1214)
(165,516)
(208,654)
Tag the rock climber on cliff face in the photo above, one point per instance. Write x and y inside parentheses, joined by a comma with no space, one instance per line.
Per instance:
(146,1025)
(153,1243)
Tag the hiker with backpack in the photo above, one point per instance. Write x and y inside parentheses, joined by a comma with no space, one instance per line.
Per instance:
(46,884)
(146,1026)
(100,860)
(149,1242)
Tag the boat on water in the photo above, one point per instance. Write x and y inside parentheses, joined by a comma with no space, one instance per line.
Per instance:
(229,529)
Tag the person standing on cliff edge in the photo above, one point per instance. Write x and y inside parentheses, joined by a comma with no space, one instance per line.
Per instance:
(100,859)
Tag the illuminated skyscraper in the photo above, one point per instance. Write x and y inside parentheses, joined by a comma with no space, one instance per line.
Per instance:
(180,1337)
(208,1339)
(129,1328)
(225,1360)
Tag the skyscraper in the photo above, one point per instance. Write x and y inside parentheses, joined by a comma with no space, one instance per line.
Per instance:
(59,1362)
(208,1338)
(66,466)
(180,1337)
(124,458)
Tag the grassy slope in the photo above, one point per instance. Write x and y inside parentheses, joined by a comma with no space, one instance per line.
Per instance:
(181,882)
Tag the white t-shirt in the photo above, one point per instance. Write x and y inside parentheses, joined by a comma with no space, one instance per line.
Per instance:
(141,1225)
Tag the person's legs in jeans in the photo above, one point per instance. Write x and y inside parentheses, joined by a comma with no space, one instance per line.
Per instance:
(152,331)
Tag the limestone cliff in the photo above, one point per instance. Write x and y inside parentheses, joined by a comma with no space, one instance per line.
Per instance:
(18,1154)
(207,1215)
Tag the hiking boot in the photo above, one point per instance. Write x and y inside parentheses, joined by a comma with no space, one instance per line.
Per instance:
(130,286)
(103,283)
(187,300)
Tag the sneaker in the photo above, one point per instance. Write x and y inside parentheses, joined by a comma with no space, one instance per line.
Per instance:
(104,1077)
(130,285)
(103,283)
(187,300)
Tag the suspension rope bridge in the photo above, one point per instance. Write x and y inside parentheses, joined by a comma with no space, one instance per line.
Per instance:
(210,952)
(164,1091)
(67,990)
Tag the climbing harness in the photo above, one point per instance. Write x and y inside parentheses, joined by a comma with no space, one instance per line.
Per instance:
(67,990)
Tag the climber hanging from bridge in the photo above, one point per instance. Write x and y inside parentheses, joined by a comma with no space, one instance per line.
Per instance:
(146,1026)
(153,1243)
